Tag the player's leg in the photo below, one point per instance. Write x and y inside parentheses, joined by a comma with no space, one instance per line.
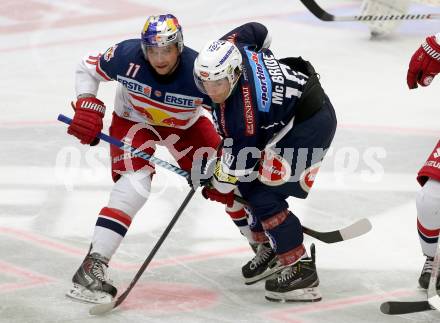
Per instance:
(428,225)
(263,263)
(132,178)
(300,154)
(296,278)
(200,136)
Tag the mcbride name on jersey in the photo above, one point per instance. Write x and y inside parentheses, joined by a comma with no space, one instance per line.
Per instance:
(263,102)
(139,96)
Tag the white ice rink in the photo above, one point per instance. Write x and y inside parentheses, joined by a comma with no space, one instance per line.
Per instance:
(52,188)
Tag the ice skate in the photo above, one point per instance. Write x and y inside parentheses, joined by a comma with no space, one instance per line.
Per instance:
(295,283)
(90,282)
(425,275)
(262,266)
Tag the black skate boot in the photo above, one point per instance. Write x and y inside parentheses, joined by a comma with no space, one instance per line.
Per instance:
(295,283)
(90,282)
(425,275)
(263,265)
(254,246)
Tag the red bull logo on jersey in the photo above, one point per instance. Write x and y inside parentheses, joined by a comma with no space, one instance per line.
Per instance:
(182,100)
(157,112)
(173,122)
(134,86)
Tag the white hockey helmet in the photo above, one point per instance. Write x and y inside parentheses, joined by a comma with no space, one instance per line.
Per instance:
(217,60)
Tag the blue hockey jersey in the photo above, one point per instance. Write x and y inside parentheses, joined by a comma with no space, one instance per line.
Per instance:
(140,96)
(262,105)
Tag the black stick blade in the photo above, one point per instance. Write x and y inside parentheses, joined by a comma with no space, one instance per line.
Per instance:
(397,308)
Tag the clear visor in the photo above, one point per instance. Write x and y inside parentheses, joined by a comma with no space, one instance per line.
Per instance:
(155,52)
(159,40)
(212,88)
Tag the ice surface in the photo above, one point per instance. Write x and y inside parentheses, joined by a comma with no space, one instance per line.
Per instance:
(49,201)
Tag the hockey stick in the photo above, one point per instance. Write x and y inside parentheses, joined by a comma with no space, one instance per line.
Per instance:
(321,14)
(354,230)
(107,307)
(134,151)
(433,301)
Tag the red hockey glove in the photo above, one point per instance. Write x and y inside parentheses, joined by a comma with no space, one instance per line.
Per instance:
(424,64)
(214,195)
(87,122)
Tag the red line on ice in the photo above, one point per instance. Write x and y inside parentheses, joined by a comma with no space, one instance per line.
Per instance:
(78,252)
(291,314)
(29,278)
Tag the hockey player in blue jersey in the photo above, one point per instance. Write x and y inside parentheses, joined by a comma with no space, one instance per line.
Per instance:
(276,123)
(156,103)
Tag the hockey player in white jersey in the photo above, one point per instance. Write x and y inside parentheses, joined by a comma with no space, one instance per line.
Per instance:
(423,67)
(156,103)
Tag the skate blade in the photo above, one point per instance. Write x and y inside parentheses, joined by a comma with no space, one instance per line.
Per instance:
(310,294)
(84,295)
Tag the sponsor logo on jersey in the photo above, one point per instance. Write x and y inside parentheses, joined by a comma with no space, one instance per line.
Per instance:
(223,119)
(245,74)
(307,178)
(110,53)
(248,109)
(274,170)
(437,153)
(263,84)
(134,86)
(147,90)
(276,75)
(182,100)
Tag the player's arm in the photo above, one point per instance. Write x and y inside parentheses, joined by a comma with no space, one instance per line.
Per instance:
(89,111)
(252,34)
(425,63)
